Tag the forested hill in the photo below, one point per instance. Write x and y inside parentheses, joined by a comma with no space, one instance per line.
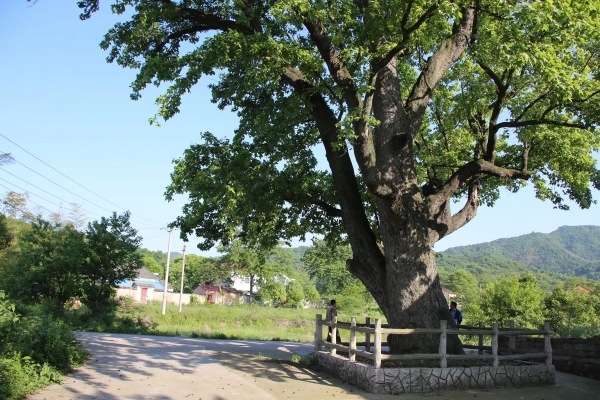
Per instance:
(570,250)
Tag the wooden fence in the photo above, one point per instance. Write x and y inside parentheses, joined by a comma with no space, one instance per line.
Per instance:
(378,329)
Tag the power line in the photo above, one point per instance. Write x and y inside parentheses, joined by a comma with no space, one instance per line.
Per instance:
(53,195)
(51,202)
(50,180)
(77,183)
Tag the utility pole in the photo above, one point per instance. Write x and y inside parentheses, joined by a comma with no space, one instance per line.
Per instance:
(182,276)
(164,303)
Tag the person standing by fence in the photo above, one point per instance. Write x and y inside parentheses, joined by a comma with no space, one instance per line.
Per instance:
(332,312)
(456,314)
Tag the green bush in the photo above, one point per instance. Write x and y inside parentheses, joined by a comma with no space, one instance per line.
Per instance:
(34,350)
(20,376)
(51,342)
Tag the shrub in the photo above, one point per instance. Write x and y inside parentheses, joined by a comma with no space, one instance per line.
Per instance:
(34,350)
(20,376)
(51,342)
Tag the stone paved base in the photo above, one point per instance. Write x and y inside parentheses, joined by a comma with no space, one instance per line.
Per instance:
(424,380)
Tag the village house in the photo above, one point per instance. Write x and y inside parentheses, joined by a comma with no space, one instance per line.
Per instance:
(147,286)
(448,294)
(218,295)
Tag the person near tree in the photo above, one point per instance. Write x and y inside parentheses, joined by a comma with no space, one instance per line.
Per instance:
(456,314)
(331,313)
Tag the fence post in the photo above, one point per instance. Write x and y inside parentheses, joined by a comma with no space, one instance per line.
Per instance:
(352,344)
(442,351)
(495,343)
(318,332)
(511,339)
(547,343)
(377,362)
(480,349)
(368,335)
(333,336)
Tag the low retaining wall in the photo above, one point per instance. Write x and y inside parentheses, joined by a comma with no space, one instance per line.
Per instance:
(424,380)
(574,356)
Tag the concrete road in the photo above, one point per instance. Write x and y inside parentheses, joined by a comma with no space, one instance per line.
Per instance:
(169,368)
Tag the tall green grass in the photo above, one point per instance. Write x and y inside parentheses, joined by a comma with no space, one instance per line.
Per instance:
(249,322)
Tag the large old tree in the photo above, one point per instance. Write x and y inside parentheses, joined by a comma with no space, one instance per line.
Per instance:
(417,104)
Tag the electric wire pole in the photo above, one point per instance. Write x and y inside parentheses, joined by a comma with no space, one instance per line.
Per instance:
(164,303)
(182,276)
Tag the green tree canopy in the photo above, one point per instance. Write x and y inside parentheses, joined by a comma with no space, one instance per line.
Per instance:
(573,313)
(294,293)
(272,291)
(326,266)
(311,293)
(198,271)
(112,257)
(516,299)
(48,266)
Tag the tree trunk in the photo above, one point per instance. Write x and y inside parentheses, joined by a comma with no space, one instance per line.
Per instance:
(409,291)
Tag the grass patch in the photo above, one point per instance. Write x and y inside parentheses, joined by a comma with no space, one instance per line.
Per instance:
(243,322)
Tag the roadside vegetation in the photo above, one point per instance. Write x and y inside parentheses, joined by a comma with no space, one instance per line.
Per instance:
(46,266)
(35,350)
(248,322)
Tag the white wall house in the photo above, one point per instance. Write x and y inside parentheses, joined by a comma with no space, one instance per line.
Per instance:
(242,283)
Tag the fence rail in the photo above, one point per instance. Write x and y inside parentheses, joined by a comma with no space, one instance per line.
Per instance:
(377,329)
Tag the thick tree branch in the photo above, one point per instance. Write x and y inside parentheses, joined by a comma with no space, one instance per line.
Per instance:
(336,66)
(357,225)
(464,173)
(468,212)
(206,21)
(522,124)
(445,223)
(363,146)
(406,32)
(530,105)
(330,210)
(502,90)
(441,60)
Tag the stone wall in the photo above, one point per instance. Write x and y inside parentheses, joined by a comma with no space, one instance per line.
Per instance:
(574,356)
(424,380)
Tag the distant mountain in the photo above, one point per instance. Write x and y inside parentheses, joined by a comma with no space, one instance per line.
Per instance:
(568,251)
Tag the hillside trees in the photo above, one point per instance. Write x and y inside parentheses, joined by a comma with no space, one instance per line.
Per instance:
(433,101)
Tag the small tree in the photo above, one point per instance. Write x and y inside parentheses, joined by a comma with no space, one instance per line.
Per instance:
(112,245)
(468,294)
(199,271)
(573,313)
(514,298)
(273,291)
(294,293)
(48,266)
(311,293)
(327,267)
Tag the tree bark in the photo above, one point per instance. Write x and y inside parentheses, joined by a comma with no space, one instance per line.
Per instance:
(410,296)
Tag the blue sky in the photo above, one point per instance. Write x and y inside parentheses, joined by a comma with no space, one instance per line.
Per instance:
(62,102)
